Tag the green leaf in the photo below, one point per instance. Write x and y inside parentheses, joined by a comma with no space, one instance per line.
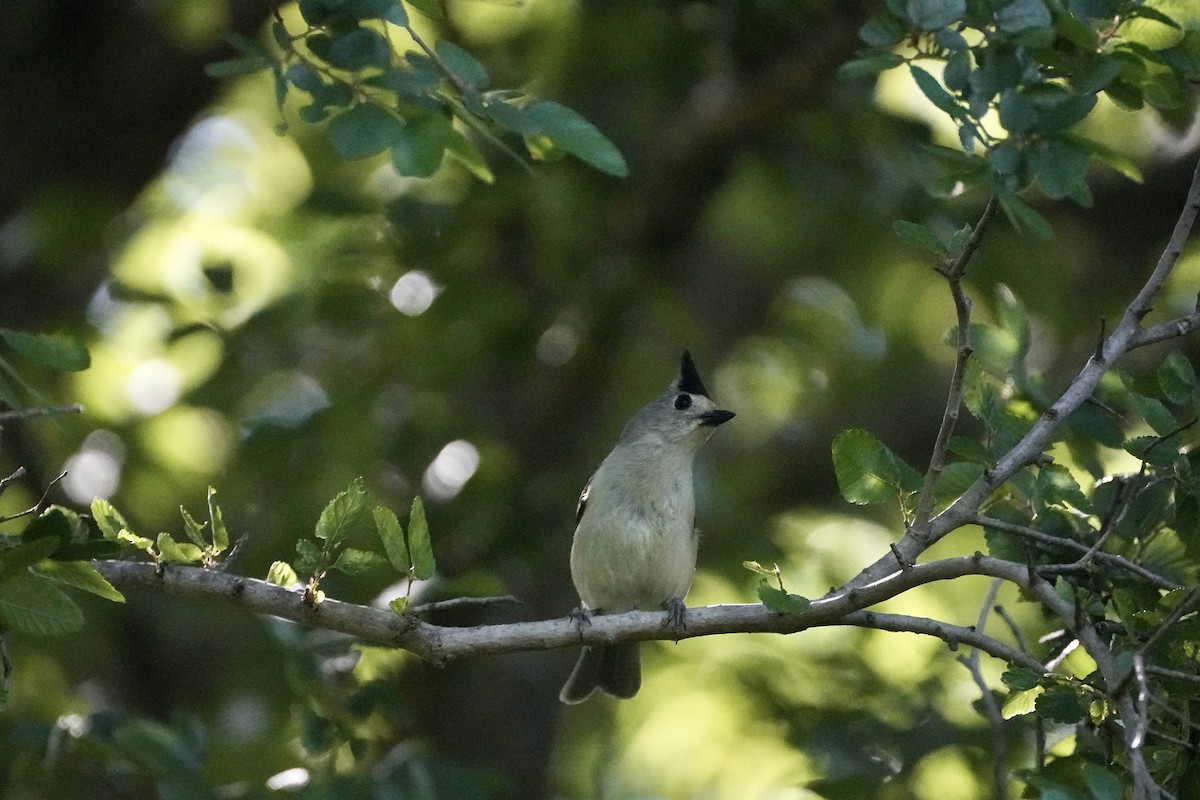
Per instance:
(282,574)
(358,562)
(55,352)
(193,529)
(1020,678)
(868,471)
(759,569)
(220,533)
(1014,319)
(234,67)
(422,143)
(1021,15)
(567,129)
(882,30)
(464,151)
(929,15)
(1156,415)
(1060,167)
(780,602)
(918,235)
(342,515)
(399,606)
(420,548)
(14,560)
(392,536)
(1063,704)
(140,542)
(1020,703)
(430,8)
(359,49)
(81,575)
(1023,217)
(1177,378)
(176,552)
(108,519)
(33,604)
(1102,783)
(363,131)
(465,67)
(52,524)
(868,65)
(933,90)
(309,557)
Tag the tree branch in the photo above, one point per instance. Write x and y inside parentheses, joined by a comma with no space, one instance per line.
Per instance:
(1031,446)
(439,644)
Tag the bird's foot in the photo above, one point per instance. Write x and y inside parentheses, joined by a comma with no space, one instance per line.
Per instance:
(581,616)
(676,620)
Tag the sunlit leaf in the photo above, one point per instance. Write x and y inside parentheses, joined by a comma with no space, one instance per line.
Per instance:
(420,548)
(220,533)
(780,602)
(81,575)
(392,535)
(342,515)
(282,574)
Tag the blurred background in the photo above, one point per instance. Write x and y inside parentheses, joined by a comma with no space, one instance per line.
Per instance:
(269,319)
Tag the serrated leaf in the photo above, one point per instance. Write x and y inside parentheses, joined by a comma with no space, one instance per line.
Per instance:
(917,234)
(108,519)
(1020,678)
(1020,703)
(1177,378)
(358,562)
(868,471)
(140,542)
(392,535)
(33,604)
(176,552)
(364,130)
(220,533)
(342,515)
(420,548)
(55,352)
(282,574)
(780,602)
(81,575)
(567,129)
(193,529)
(399,606)
(309,557)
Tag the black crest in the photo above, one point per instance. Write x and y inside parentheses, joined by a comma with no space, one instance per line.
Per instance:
(689,377)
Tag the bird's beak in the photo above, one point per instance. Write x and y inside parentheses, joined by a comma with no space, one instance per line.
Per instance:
(715,417)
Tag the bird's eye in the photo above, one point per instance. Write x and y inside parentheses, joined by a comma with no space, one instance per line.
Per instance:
(683,401)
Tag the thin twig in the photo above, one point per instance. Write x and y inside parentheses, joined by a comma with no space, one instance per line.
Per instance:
(464,602)
(17,474)
(40,411)
(37,507)
(1031,446)
(953,274)
(995,718)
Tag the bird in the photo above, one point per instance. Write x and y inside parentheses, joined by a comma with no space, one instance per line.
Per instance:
(635,539)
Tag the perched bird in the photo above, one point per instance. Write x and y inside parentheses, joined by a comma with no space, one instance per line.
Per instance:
(635,538)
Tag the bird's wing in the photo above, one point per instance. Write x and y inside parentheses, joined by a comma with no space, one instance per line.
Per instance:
(583,498)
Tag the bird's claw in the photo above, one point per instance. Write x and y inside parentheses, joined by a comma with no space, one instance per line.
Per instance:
(580,616)
(676,620)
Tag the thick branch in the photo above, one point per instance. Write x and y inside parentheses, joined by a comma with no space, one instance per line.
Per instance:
(439,644)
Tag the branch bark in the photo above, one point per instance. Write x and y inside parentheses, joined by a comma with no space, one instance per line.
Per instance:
(439,644)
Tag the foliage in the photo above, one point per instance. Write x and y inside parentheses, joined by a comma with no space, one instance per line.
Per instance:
(378,97)
(317,379)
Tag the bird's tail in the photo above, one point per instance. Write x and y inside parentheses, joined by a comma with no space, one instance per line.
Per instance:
(616,669)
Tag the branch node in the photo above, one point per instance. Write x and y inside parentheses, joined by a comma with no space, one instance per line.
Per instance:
(905,563)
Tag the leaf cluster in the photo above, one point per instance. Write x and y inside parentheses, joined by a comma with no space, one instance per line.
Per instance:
(377,96)
(411,554)
(1016,77)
